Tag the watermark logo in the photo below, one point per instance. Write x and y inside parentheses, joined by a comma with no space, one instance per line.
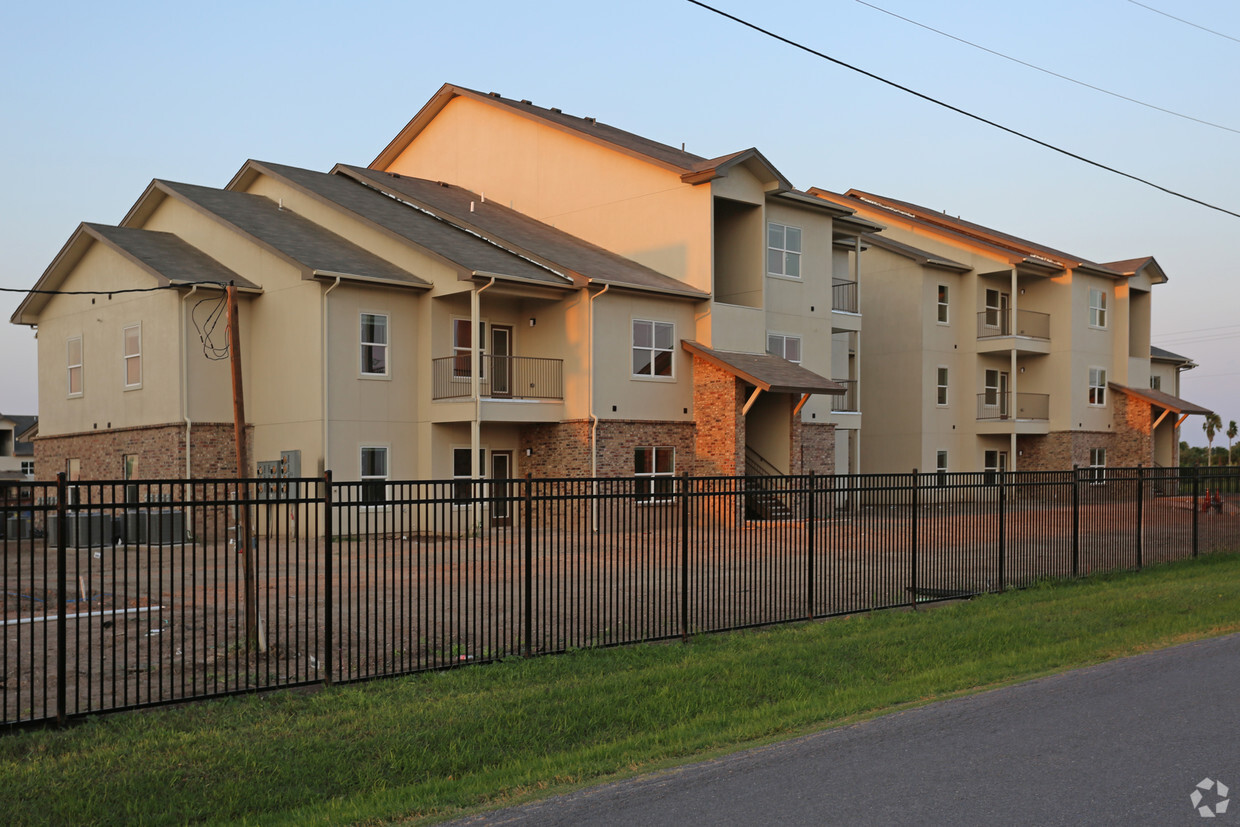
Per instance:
(1220,792)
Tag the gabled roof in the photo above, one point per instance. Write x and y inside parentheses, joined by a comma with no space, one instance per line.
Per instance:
(165,257)
(460,248)
(766,371)
(518,232)
(1160,399)
(1159,354)
(693,169)
(1016,250)
(920,256)
(1132,266)
(315,250)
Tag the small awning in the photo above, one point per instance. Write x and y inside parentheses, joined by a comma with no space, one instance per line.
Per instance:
(1162,400)
(763,370)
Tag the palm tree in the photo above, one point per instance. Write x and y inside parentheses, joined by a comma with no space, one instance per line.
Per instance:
(1211,426)
(1231,437)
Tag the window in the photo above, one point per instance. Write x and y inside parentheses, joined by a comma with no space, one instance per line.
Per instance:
(374,474)
(655,470)
(940,468)
(374,340)
(129,471)
(995,464)
(462,346)
(1097,465)
(73,473)
(462,474)
(1097,386)
(652,348)
(1097,308)
(1155,383)
(133,356)
(943,317)
(996,310)
(789,347)
(28,469)
(783,251)
(941,392)
(74,360)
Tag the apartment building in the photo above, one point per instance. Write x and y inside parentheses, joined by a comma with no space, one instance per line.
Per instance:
(16,449)
(507,290)
(984,351)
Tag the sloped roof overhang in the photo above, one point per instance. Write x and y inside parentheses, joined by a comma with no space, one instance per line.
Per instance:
(1162,400)
(765,371)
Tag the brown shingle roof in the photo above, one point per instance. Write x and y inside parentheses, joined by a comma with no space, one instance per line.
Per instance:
(766,371)
(1162,400)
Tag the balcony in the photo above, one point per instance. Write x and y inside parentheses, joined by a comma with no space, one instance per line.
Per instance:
(848,402)
(1029,411)
(503,377)
(1029,331)
(844,296)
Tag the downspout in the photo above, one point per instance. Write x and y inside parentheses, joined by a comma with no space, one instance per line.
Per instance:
(323,329)
(1014,309)
(593,415)
(475,379)
(185,381)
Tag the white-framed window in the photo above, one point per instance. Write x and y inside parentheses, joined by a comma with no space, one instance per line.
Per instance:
(374,473)
(655,470)
(993,463)
(73,361)
(652,347)
(1097,465)
(1097,386)
(788,347)
(1155,383)
(783,250)
(940,397)
(374,344)
(28,469)
(462,473)
(944,317)
(1097,307)
(462,346)
(940,468)
(133,356)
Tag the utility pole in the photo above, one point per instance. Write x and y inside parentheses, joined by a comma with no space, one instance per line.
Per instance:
(243,508)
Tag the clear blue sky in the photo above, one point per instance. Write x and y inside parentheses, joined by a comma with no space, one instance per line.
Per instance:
(98,99)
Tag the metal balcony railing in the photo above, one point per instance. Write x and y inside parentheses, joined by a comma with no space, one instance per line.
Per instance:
(844,296)
(1028,406)
(847,402)
(502,377)
(996,322)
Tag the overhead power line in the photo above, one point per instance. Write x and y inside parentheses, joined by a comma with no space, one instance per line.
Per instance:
(964,112)
(1049,71)
(1185,22)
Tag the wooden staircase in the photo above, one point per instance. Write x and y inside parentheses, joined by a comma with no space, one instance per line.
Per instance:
(762,498)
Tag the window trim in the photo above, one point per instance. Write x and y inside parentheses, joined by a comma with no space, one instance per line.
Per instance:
(1155,383)
(1097,466)
(128,356)
(386,344)
(1097,395)
(27,467)
(1098,312)
(464,374)
(942,385)
(944,305)
(784,339)
(70,366)
(650,496)
(784,251)
(369,480)
(653,349)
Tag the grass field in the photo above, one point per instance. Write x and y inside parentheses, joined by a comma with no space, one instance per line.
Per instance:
(438,744)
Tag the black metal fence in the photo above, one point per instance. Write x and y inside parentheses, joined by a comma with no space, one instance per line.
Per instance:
(124,595)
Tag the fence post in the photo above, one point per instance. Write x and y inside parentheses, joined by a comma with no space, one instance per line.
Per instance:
(328,576)
(1140,514)
(62,601)
(809,531)
(684,556)
(1076,522)
(1002,529)
(1196,506)
(529,564)
(912,589)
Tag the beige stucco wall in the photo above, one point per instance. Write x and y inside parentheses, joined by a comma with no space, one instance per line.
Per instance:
(630,206)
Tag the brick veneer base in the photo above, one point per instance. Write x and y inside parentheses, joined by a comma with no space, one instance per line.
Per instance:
(160,450)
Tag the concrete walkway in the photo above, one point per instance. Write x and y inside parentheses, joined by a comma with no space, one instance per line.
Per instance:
(1125,742)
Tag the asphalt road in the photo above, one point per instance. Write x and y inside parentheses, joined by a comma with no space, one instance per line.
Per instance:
(1125,742)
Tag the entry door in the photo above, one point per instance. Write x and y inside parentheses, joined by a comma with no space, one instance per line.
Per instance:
(501,360)
(501,487)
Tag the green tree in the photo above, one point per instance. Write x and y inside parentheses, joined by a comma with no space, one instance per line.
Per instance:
(1231,437)
(1211,426)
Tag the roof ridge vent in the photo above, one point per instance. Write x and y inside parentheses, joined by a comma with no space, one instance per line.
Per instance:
(591,121)
(556,111)
(493,94)
(527,103)
(443,183)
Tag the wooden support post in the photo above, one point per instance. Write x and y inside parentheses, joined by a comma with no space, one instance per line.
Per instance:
(243,508)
